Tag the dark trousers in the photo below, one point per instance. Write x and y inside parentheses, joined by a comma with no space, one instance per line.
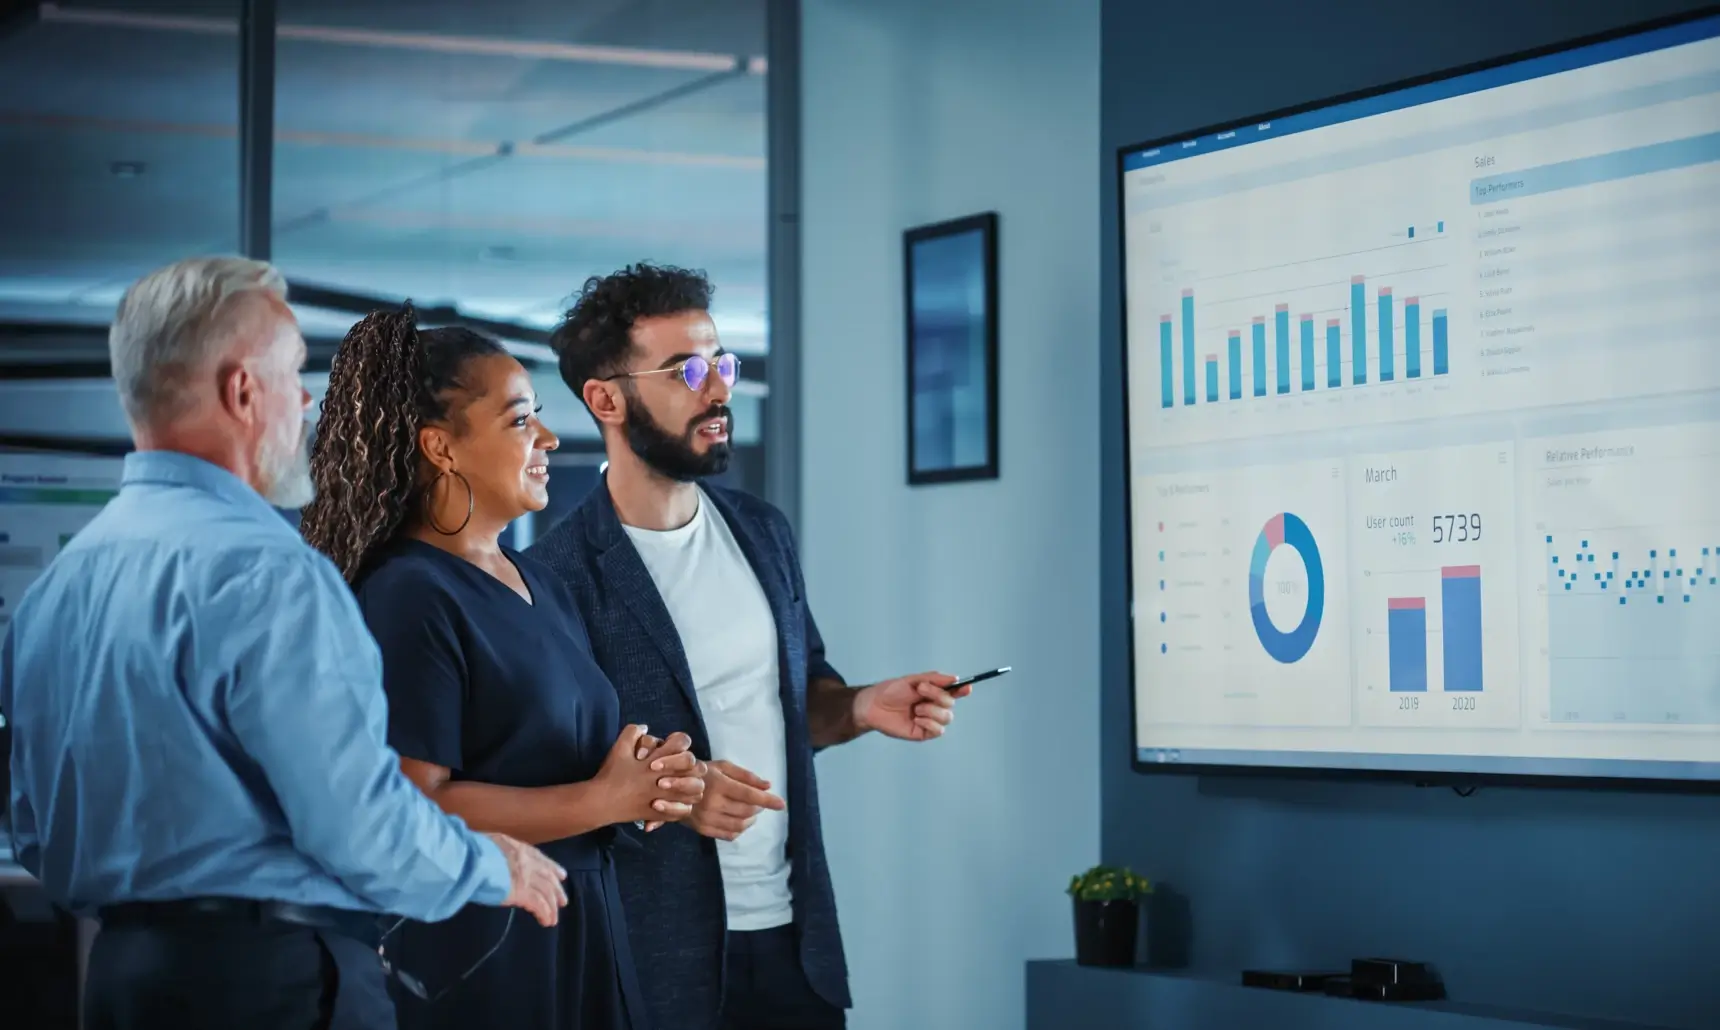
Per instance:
(227,974)
(767,989)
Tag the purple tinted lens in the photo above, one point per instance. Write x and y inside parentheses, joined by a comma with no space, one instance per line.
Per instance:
(694,371)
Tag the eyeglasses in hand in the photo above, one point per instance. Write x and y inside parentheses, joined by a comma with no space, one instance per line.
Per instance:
(416,986)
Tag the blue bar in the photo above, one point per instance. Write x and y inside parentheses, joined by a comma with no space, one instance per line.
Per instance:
(1259,357)
(1412,232)
(1586,171)
(1307,352)
(1334,355)
(1281,336)
(1442,227)
(1441,365)
(1406,644)
(1167,374)
(1211,379)
(1188,345)
(1235,365)
(1412,338)
(1474,82)
(1358,330)
(1385,306)
(1460,601)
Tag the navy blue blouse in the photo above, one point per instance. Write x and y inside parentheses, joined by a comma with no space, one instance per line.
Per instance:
(504,691)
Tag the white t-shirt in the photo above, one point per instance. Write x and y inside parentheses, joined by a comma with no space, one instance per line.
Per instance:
(729,636)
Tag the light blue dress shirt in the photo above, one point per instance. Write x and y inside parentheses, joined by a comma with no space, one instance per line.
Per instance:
(197,710)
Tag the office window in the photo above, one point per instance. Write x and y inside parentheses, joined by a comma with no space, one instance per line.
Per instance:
(481,160)
(120,126)
(485,159)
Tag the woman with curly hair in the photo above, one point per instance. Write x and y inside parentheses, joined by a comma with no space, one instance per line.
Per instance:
(428,446)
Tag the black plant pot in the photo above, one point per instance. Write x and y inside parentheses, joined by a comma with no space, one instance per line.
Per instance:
(1105,932)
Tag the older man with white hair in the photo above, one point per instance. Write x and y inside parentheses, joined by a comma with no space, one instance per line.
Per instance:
(198,719)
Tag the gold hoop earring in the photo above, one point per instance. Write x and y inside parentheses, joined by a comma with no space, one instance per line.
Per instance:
(430,503)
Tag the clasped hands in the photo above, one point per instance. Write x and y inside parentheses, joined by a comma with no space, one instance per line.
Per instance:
(657,781)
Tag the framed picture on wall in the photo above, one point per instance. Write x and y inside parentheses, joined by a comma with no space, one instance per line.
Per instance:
(951,307)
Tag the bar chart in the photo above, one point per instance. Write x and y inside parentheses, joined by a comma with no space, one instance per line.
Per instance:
(1406,631)
(1437,587)
(1390,339)
(1460,634)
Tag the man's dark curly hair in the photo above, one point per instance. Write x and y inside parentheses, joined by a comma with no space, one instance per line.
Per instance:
(387,380)
(594,336)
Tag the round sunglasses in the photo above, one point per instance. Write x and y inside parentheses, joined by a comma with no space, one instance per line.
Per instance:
(694,371)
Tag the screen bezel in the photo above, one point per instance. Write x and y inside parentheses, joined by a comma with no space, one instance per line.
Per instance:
(1421,777)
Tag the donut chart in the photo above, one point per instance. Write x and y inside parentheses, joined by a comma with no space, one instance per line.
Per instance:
(1286,530)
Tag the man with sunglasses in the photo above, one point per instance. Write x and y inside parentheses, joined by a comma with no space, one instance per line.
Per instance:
(694,600)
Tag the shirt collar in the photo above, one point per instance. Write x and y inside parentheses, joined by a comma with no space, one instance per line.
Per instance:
(172,468)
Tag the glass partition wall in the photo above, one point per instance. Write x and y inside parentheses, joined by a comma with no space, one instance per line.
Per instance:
(479,160)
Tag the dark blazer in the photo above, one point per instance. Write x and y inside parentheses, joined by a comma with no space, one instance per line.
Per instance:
(671,885)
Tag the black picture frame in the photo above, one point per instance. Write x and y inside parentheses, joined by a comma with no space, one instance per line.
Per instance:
(948,258)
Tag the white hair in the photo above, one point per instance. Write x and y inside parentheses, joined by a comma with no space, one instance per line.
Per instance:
(173,322)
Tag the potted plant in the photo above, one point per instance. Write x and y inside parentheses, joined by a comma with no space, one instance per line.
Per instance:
(1107,914)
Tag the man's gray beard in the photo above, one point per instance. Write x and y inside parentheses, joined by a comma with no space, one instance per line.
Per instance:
(289,484)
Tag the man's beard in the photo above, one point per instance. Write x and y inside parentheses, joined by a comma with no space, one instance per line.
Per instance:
(287,477)
(674,457)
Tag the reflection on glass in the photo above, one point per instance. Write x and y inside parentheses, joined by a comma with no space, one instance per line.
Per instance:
(133,158)
(481,158)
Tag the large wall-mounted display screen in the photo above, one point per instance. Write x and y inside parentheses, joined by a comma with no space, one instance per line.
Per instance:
(1424,424)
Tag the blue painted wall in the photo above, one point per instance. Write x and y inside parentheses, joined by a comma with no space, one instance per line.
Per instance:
(950,858)
(1597,904)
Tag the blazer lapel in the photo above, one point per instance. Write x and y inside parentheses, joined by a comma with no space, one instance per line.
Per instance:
(625,575)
